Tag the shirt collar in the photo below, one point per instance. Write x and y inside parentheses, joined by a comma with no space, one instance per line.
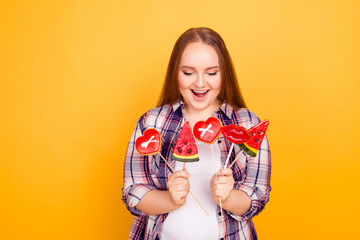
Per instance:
(225,108)
(177,104)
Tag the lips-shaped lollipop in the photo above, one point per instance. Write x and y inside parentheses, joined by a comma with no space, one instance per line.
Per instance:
(252,146)
(235,133)
(149,143)
(207,131)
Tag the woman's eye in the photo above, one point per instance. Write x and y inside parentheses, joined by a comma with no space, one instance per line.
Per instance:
(212,73)
(187,73)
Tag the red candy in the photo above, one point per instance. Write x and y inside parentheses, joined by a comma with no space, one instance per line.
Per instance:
(207,131)
(149,143)
(235,134)
(257,133)
(185,149)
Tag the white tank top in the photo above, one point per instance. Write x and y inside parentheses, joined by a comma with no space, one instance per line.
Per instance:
(190,221)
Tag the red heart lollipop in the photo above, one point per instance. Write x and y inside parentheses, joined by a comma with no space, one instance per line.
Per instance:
(207,131)
(235,133)
(149,143)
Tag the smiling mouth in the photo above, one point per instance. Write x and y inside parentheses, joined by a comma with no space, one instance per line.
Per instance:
(200,93)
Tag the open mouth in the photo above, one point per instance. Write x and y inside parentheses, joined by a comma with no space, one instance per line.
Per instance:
(200,94)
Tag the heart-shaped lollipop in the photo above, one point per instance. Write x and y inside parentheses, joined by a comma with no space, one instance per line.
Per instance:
(235,134)
(149,143)
(207,131)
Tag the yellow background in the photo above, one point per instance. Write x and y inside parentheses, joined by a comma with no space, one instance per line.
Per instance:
(76,75)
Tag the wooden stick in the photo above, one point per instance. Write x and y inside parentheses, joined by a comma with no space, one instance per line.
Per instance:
(212,150)
(166,162)
(236,159)
(199,203)
(189,190)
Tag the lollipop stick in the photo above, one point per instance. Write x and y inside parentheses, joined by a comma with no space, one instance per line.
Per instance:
(199,203)
(228,157)
(212,150)
(189,190)
(166,162)
(236,159)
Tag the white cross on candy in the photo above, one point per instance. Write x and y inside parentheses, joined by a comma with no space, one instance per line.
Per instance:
(145,144)
(204,130)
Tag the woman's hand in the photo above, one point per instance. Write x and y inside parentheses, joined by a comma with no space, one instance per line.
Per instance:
(178,185)
(221,185)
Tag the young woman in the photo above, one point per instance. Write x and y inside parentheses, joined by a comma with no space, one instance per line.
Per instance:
(200,82)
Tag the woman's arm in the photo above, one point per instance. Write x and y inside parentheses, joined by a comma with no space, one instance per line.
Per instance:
(254,184)
(157,202)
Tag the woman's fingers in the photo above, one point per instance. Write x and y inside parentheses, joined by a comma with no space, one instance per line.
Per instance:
(179,186)
(225,172)
(221,184)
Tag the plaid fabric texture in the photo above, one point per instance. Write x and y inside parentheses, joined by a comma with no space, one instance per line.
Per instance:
(145,173)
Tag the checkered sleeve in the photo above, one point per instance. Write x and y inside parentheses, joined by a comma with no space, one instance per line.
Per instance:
(137,179)
(256,183)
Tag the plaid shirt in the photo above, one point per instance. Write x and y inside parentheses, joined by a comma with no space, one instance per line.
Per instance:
(145,173)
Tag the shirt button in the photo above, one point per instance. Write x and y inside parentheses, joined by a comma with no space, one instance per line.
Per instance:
(221,238)
(219,213)
(219,141)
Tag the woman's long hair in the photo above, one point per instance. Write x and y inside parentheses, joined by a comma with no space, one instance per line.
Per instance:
(230,90)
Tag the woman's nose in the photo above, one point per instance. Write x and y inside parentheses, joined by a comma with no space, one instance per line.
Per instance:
(200,82)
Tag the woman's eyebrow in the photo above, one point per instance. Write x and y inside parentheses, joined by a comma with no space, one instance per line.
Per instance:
(212,67)
(185,66)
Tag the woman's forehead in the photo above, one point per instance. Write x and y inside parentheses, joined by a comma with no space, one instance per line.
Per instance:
(200,55)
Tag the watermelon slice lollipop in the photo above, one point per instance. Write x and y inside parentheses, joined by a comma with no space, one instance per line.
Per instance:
(150,142)
(257,133)
(185,149)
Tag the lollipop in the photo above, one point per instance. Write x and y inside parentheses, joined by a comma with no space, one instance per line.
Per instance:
(257,133)
(185,149)
(252,146)
(149,144)
(236,135)
(208,131)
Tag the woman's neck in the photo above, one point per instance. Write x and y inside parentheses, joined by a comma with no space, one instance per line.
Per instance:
(193,115)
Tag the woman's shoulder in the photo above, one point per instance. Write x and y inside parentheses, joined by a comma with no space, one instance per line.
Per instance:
(154,117)
(245,117)
(157,112)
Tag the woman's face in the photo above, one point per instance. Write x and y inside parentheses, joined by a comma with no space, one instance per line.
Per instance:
(199,77)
